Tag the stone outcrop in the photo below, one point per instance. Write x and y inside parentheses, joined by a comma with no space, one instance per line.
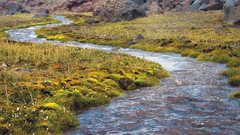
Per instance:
(36,6)
(118,10)
(204,5)
(231,12)
(14,8)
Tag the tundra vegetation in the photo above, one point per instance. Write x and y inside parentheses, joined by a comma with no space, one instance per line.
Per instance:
(201,35)
(43,84)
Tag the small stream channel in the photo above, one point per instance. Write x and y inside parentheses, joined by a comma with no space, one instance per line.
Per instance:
(194,100)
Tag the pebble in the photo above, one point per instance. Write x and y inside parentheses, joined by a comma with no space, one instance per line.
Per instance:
(4,65)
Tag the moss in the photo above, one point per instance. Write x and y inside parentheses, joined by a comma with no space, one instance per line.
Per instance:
(235,95)
(53,106)
(204,57)
(231,72)
(234,63)
(38,86)
(111,82)
(2,120)
(116,77)
(4,129)
(98,74)
(221,58)
(112,92)
(141,81)
(234,80)
(44,125)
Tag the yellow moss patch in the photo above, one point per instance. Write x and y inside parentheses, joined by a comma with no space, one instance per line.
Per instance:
(53,106)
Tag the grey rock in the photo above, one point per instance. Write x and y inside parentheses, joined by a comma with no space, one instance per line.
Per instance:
(118,10)
(217,6)
(4,65)
(201,2)
(192,8)
(183,38)
(137,37)
(25,70)
(231,12)
(139,2)
(236,30)
(42,14)
(89,20)
(203,6)
(155,9)
(14,8)
(25,11)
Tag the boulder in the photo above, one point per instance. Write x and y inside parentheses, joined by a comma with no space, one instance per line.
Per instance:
(216,6)
(14,8)
(118,10)
(42,14)
(89,20)
(155,9)
(204,5)
(192,8)
(139,2)
(197,5)
(85,7)
(231,12)
(25,11)
(137,37)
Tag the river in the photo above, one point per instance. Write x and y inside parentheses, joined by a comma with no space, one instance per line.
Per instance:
(194,100)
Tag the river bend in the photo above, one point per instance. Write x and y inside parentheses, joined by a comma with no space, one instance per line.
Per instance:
(194,100)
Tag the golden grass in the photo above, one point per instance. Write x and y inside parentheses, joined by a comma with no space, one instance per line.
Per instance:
(41,84)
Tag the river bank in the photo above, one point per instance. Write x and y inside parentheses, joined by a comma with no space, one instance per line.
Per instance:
(194,99)
(42,84)
(201,35)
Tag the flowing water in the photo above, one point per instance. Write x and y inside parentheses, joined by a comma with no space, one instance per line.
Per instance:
(194,100)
